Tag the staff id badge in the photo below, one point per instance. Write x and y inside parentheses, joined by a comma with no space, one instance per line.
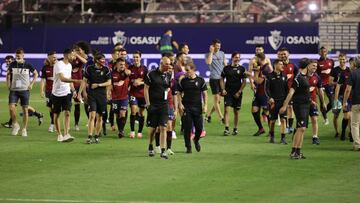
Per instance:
(165,95)
(18,83)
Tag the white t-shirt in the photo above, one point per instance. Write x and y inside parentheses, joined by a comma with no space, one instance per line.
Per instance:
(60,88)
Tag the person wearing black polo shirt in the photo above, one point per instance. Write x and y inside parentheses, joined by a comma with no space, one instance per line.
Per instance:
(300,93)
(157,83)
(232,89)
(276,89)
(193,102)
(98,77)
(353,87)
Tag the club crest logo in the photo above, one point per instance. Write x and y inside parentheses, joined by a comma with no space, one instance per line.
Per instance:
(275,39)
(119,38)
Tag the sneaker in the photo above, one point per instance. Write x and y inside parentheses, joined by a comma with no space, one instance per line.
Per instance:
(326,121)
(107,121)
(6,125)
(235,132)
(226,132)
(174,135)
(170,152)
(342,137)
(350,138)
(151,153)
(294,156)
(97,140)
(283,141)
(89,140)
(291,130)
(301,155)
(259,132)
(24,133)
(157,150)
(197,145)
(77,128)
(208,119)
(315,140)
(40,118)
(68,138)
(132,135)
(164,155)
(139,135)
(203,134)
(15,129)
(188,150)
(51,128)
(60,138)
(272,139)
(121,134)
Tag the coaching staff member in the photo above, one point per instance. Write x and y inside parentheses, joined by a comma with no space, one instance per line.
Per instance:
(193,103)
(157,84)
(97,77)
(300,94)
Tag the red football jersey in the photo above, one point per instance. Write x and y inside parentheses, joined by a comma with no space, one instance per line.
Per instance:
(137,72)
(324,68)
(47,74)
(289,71)
(120,85)
(314,82)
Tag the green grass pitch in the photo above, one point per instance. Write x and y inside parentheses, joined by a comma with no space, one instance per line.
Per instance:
(239,168)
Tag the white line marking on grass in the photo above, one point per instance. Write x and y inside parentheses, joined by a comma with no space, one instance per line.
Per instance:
(73,201)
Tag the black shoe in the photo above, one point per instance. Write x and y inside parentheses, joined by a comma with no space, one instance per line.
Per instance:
(294,155)
(121,134)
(259,132)
(315,140)
(226,132)
(342,137)
(163,155)
(272,140)
(89,140)
(283,141)
(301,155)
(97,140)
(40,118)
(6,125)
(208,119)
(151,153)
(188,150)
(197,145)
(351,138)
(337,136)
(235,132)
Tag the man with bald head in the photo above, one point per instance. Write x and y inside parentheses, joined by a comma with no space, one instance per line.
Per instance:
(157,83)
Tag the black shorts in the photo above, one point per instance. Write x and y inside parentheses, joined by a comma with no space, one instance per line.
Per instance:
(48,99)
(301,114)
(24,97)
(313,111)
(120,105)
(260,101)
(157,116)
(232,101)
(61,103)
(97,103)
(215,86)
(76,100)
(274,110)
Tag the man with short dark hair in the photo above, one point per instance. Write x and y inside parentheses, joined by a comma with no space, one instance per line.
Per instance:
(46,85)
(354,87)
(216,61)
(97,77)
(167,43)
(193,102)
(61,94)
(18,82)
(232,90)
(156,87)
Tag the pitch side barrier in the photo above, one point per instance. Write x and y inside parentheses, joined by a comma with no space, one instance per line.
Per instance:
(152,61)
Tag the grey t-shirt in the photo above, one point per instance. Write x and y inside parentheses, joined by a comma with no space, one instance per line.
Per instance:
(355,83)
(20,75)
(217,65)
